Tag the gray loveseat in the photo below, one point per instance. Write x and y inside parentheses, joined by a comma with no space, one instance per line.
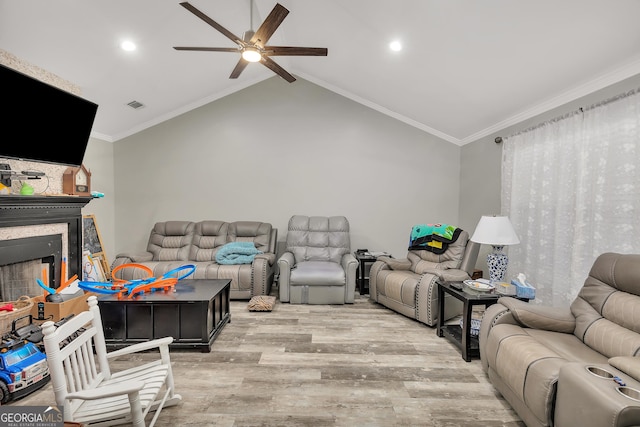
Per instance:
(176,243)
(571,366)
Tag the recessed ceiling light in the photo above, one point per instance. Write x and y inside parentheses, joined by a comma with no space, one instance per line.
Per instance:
(395,46)
(128,45)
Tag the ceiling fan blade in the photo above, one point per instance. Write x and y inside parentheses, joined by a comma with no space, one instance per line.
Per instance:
(271,64)
(270,25)
(211,22)
(240,66)
(208,49)
(295,51)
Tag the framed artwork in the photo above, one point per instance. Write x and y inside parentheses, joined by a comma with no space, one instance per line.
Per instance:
(92,242)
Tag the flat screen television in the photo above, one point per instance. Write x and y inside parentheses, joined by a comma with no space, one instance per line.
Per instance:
(42,123)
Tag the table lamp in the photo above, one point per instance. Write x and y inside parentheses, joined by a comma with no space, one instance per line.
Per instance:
(498,232)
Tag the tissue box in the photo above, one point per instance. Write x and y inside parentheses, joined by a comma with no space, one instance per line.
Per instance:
(524,290)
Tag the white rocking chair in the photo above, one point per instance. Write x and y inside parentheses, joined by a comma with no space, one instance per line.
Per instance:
(84,384)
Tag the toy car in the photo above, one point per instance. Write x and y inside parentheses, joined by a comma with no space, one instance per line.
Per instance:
(23,368)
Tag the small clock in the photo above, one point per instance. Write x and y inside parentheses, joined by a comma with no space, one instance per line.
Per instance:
(77,181)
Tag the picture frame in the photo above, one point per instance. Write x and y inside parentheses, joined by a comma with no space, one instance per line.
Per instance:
(92,242)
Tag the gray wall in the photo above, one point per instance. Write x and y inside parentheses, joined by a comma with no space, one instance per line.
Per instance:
(99,160)
(480,162)
(274,150)
(277,149)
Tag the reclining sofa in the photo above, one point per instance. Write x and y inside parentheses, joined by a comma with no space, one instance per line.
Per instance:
(176,243)
(409,286)
(572,366)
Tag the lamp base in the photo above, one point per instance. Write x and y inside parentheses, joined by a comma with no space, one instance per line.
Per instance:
(497,263)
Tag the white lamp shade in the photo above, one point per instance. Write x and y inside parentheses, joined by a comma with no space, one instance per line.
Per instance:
(496,231)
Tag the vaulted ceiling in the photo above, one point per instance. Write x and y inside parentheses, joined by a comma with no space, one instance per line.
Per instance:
(467,67)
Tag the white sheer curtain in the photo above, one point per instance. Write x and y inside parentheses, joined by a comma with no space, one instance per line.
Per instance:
(571,187)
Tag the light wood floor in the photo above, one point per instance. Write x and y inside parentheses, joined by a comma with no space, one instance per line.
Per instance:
(328,365)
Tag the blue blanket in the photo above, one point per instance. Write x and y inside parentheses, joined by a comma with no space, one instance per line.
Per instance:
(237,253)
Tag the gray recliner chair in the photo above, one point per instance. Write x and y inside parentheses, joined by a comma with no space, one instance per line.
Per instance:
(410,286)
(317,266)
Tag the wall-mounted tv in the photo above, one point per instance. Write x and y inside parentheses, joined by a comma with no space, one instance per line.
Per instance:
(41,122)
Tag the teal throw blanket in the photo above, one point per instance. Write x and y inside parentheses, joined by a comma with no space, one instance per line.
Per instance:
(237,253)
(433,237)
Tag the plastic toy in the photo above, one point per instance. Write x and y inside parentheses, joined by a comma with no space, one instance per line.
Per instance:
(23,366)
(131,288)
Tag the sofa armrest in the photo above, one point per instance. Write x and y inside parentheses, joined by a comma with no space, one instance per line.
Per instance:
(134,257)
(630,365)
(268,256)
(263,269)
(450,274)
(286,262)
(556,319)
(494,315)
(395,264)
(349,264)
(129,258)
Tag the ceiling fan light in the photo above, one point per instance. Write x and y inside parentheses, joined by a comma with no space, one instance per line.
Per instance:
(251,55)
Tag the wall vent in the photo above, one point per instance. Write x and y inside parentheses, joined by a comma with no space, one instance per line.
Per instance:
(135,105)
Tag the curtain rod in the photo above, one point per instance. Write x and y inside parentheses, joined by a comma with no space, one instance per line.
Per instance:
(580,110)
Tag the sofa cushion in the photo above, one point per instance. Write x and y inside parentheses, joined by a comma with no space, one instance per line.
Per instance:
(208,237)
(423,261)
(258,233)
(171,240)
(318,238)
(239,274)
(607,308)
(318,273)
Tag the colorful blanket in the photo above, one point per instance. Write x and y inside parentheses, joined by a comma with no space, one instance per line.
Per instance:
(433,237)
(237,253)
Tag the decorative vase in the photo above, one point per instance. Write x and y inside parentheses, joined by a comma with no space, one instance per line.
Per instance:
(497,264)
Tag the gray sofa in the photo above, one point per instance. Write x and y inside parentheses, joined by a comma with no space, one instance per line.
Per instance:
(409,286)
(176,243)
(557,366)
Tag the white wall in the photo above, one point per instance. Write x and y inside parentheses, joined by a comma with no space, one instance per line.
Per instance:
(277,149)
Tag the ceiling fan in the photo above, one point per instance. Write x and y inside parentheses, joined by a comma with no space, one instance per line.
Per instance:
(253,45)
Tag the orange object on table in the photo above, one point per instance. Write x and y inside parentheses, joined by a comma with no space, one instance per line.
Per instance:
(63,270)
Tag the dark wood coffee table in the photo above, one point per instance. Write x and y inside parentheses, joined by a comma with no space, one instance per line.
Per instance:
(193,315)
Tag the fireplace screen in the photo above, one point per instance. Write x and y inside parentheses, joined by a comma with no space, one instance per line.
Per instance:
(23,261)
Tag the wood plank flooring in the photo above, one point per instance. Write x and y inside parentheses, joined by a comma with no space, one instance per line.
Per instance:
(307,365)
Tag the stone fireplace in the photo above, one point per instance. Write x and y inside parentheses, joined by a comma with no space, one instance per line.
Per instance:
(36,234)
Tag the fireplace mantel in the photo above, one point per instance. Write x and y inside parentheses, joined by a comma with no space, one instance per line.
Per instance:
(17,211)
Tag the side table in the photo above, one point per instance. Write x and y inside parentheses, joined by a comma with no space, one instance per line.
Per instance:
(461,336)
(364,258)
